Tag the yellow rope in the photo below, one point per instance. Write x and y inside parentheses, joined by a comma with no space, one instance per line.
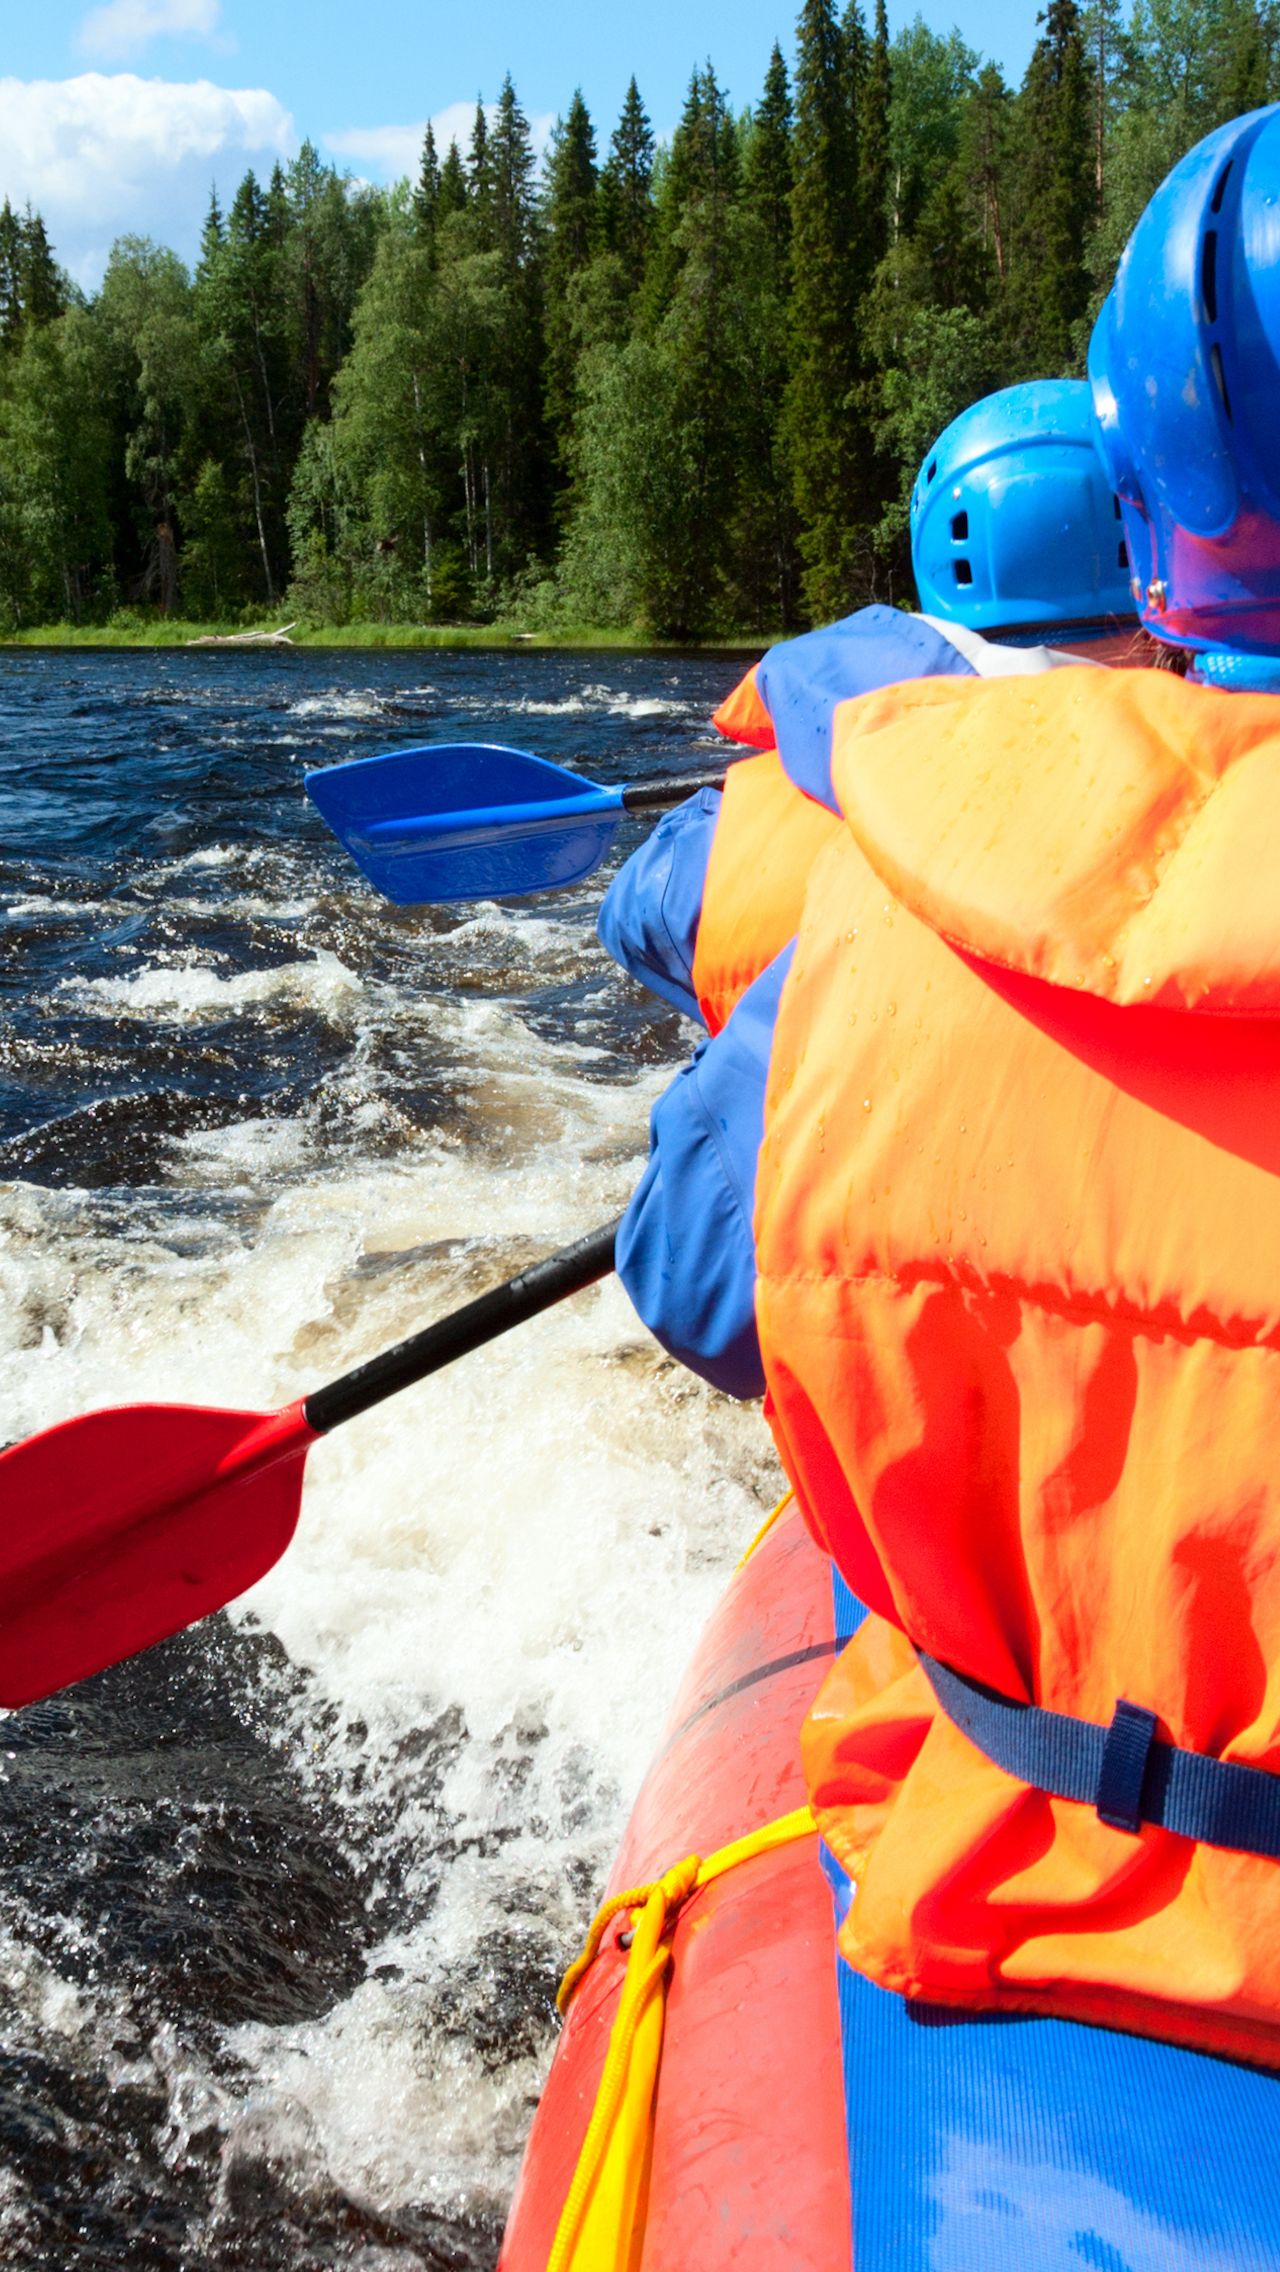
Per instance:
(766,1526)
(654,1908)
(646,1970)
(634,1898)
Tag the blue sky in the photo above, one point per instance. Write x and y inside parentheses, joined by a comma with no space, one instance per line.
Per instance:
(116,116)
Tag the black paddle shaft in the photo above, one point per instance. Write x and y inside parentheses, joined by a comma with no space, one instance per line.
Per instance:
(672,789)
(536,1289)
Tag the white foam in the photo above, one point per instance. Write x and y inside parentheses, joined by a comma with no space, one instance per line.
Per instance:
(353,703)
(244,1150)
(622,705)
(571,707)
(530,1541)
(208,856)
(191,992)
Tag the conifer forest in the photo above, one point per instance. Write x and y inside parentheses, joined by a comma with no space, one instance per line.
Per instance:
(678,390)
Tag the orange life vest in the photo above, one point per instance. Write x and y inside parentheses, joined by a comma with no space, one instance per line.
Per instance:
(766,840)
(1018,1239)
(743,716)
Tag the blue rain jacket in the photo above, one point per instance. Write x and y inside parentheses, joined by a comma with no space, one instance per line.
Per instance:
(686,1252)
(650,914)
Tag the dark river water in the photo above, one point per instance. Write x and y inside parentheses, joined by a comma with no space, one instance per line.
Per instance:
(283,1904)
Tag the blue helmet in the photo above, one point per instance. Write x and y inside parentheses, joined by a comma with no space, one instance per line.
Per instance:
(1185,370)
(1013,519)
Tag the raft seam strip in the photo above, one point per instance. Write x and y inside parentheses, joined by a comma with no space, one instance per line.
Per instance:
(752,1679)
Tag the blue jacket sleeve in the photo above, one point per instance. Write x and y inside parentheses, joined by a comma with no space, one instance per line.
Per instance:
(651,911)
(686,1253)
(802,680)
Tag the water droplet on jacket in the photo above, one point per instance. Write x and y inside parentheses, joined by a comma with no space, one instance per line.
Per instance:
(866,1104)
(892,1010)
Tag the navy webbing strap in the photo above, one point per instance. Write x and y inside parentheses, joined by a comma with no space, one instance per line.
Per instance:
(1124,1771)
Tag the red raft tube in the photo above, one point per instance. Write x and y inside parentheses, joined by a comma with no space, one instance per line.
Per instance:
(728,2093)
(738,2153)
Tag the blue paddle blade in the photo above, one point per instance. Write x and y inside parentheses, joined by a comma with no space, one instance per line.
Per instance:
(465,820)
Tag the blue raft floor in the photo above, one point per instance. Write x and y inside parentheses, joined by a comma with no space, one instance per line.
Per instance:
(1007,2143)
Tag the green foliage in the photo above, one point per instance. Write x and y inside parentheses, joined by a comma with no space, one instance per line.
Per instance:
(681,392)
(626,212)
(33,290)
(824,434)
(1055,188)
(147,341)
(768,179)
(571,215)
(54,529)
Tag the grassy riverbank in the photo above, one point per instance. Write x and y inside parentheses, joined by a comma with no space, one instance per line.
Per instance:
(167,632)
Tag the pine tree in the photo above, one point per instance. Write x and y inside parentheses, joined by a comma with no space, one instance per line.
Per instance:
(453,186)
(701,163)
(509,166)
(1102,33)
(764,522)
(767,175)
(239,314)
(1245,73)
(11,255)
(626,189)
(1056,185)
(479,177)
(426,196)
(571,215)
(277,201)
(324,256)
(820,429)
(213,234)
(984,136)
(873,145)
(42,287)
(515,474)
(854,49)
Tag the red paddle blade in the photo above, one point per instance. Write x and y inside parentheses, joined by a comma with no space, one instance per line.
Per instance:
(121,1527)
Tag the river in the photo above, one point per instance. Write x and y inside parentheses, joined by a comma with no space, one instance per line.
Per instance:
(284,1902)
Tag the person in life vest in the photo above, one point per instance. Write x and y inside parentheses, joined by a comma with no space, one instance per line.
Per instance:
(1015,539)
(1018,1234)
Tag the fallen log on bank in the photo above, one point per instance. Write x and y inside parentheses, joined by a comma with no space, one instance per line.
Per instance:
(278,638)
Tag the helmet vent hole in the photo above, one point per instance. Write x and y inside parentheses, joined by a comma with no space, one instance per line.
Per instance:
(1215,357)
(959,528)
(1209,275)
(964,573)
(1116,502)
(930,471)
(1122,556)
(1215,202)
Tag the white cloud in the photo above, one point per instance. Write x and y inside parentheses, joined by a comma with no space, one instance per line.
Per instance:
(99,155)
(393,151)
(125,27)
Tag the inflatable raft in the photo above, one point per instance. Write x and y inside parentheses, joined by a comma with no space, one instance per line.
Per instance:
(774,2110)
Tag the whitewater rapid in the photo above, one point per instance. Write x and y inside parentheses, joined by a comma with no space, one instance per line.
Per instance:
(461,1666)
